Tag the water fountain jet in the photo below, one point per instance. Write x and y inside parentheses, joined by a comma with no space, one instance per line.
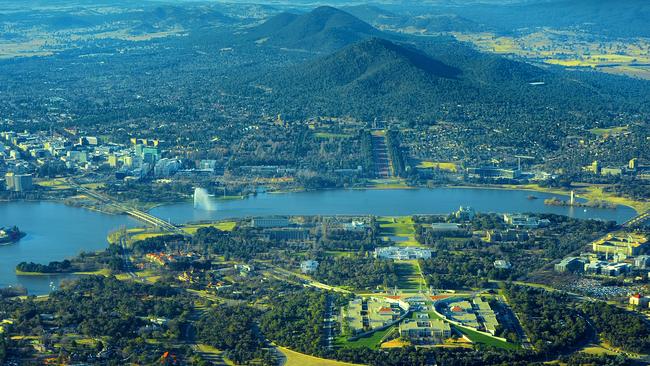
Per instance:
(202,200)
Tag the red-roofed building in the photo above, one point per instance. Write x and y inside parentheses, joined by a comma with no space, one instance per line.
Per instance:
(439,297)
(639,300)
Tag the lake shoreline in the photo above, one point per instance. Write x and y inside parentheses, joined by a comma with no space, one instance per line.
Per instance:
(637,206)
(58,231)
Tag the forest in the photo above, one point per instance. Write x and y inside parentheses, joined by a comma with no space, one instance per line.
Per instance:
(625,329)
(97,307)
(233,329)
(359,273)
(550,319)
(52,267)
(295,321)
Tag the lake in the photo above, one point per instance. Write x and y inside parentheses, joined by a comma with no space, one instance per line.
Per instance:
(55,231)
(394,202)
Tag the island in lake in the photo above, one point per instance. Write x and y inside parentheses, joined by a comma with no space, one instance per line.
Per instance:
(554,201)
(10,235)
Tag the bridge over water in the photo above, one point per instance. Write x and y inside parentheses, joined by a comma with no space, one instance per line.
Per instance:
(142,216)
(638,220)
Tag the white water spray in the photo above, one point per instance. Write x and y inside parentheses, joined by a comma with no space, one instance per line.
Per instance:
(202,200)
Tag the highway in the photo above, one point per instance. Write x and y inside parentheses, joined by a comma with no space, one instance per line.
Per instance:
(135,213)
(511,317)
(301,279)
(637,220)
(329,323)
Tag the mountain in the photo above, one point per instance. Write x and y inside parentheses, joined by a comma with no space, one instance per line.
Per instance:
(374,78)
(377,78)
(376,58)
(321,30)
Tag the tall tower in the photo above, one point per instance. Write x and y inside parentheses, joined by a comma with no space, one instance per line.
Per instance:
(632,164)
(573,198)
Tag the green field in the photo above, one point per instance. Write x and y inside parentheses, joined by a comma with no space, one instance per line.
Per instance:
(372,341)
(442,165)
(223,226)
(477,337)
(336,253)
(328,135)
(410,276)
(398,226)
(608,131)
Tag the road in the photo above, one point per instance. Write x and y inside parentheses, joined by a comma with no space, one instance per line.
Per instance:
(135,213)
(304,280)
(512,318)
(329,323)
(638,220)
(188,337)
(128,266)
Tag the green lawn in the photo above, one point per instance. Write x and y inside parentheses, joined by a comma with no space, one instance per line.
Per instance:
(410,277)
(398,226)
(223,226)
(477,337)
(328,135)
(608,131)
(371,341)
(339,253)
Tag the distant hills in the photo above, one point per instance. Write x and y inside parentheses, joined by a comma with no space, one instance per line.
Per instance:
(322,30)
(614,18)
(143,20)
(628,18)
(420,23)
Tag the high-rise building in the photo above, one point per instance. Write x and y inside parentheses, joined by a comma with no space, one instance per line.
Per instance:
(18,182)
(150,155)
(112,161)
(9,181)
(166,167)
(23,182)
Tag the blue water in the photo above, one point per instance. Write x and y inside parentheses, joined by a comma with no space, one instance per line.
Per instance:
(55,231)
(385,203)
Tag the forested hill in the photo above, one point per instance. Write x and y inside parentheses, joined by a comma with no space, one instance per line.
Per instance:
(372,77)
(321,30)
(379,78)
